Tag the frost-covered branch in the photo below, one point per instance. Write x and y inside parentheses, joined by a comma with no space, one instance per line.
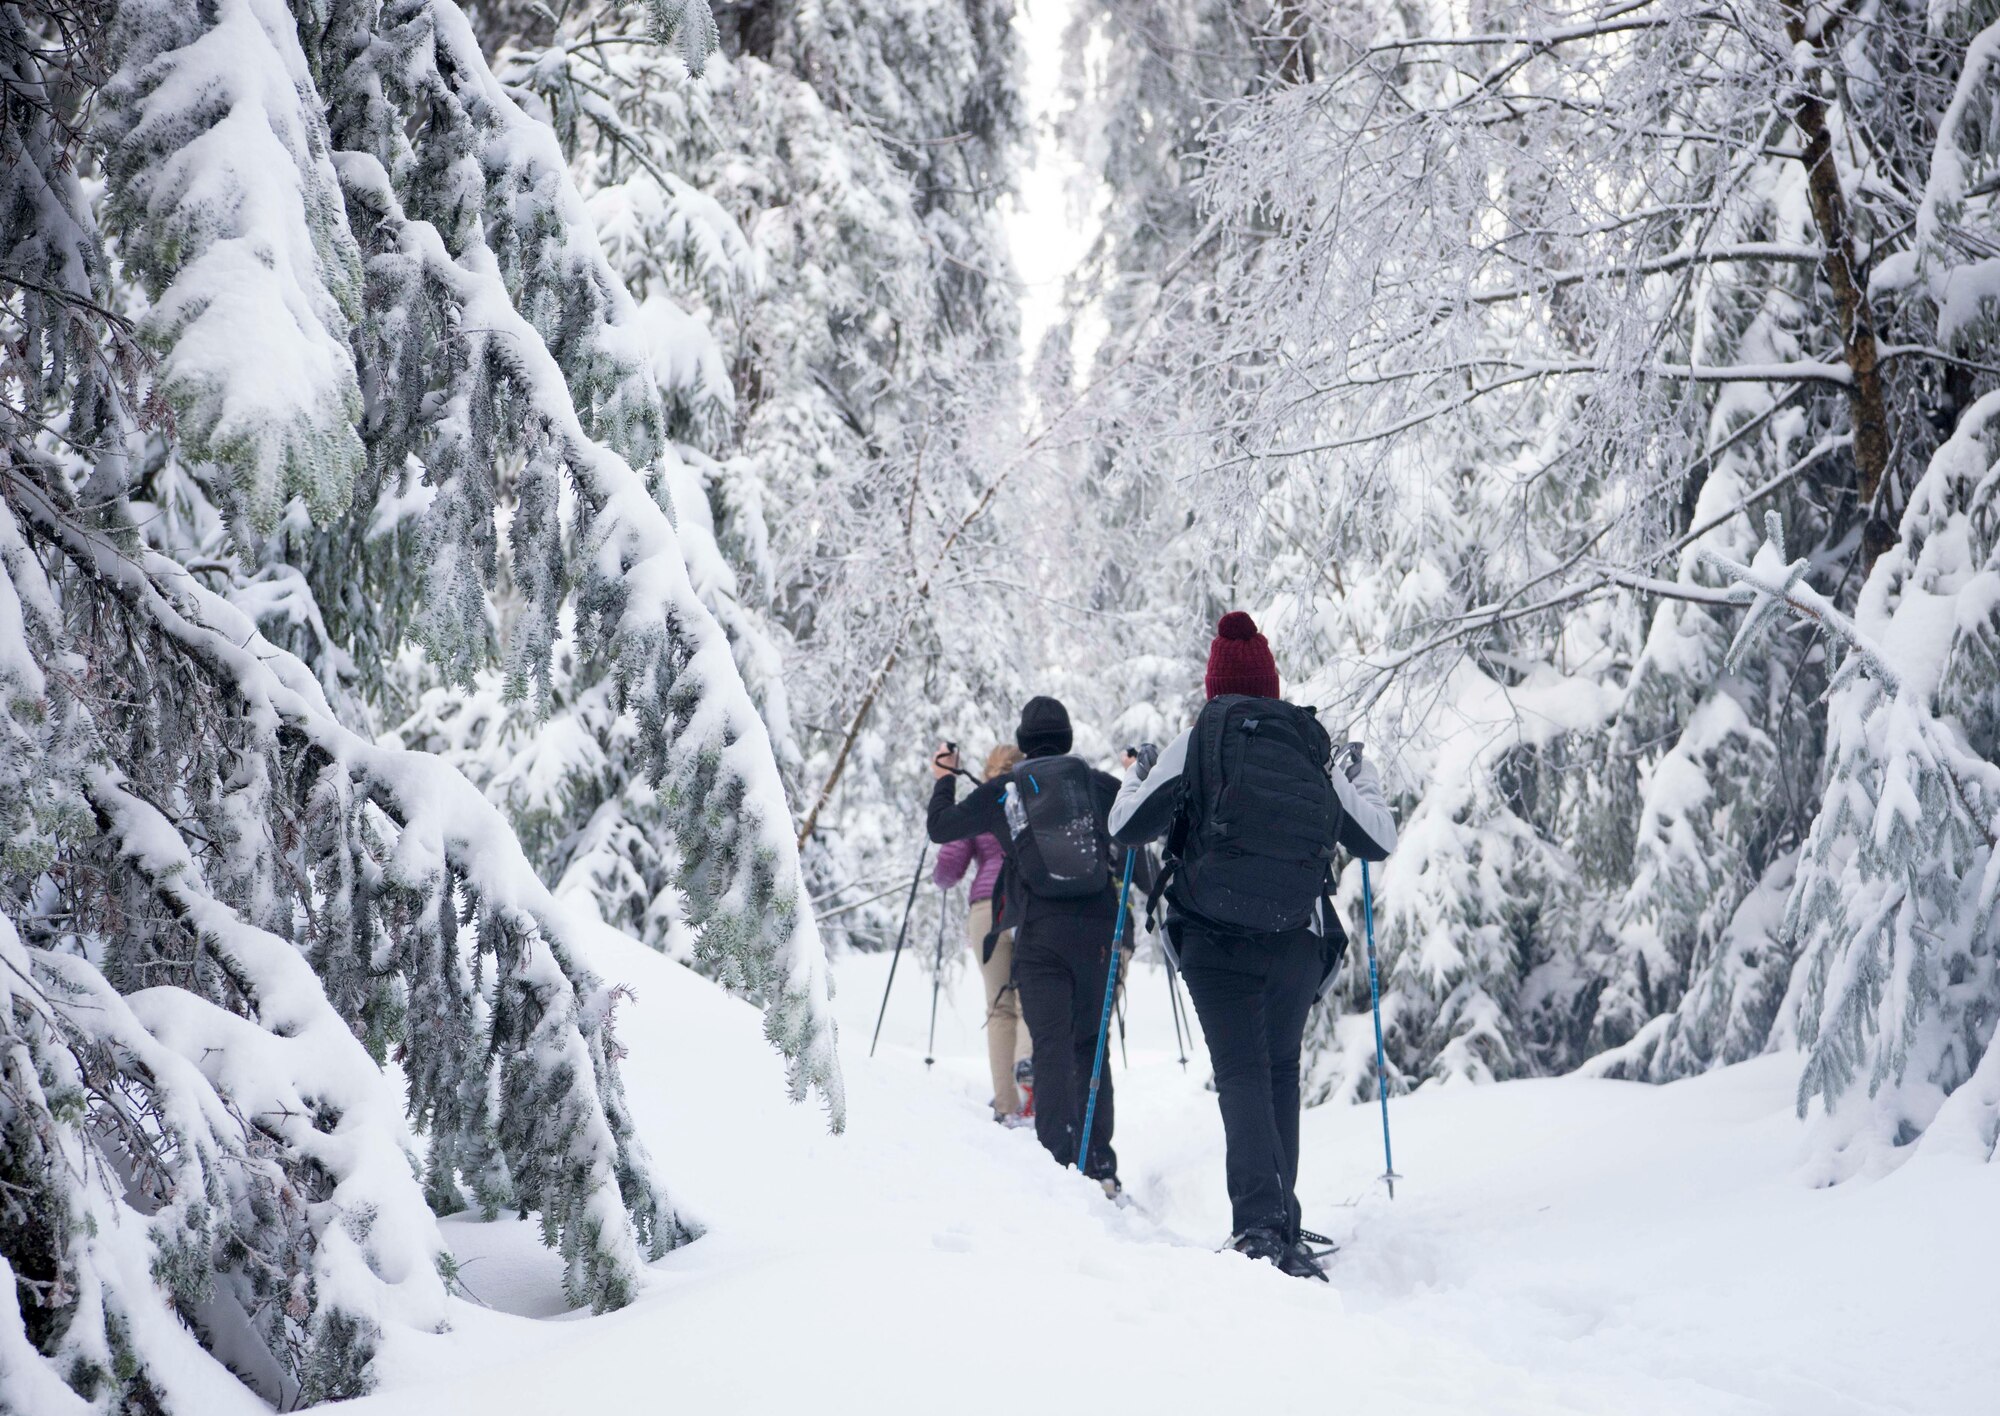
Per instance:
(557,1124)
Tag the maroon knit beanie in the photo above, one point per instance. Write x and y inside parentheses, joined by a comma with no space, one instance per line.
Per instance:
(1239,659)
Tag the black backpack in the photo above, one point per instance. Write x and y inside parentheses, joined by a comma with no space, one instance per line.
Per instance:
(1057,847)
(1251,846)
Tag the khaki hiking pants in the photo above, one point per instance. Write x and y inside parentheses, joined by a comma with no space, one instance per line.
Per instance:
(1006,1035)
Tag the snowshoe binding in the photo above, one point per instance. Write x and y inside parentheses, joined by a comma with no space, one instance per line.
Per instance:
(1301,1261)
(1318,1245)
(1265,1244)
(1288,1256)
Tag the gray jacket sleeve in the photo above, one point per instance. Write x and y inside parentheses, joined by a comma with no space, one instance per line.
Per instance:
(1367,829)
(1145,807)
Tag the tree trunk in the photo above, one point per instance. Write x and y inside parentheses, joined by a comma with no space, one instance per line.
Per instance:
(1288,42)
(1867,406)
(853,731)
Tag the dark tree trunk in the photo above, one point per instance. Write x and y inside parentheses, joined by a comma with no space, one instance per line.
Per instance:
(1867,404)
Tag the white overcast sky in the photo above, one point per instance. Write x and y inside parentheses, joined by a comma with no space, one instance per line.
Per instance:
(1047,239)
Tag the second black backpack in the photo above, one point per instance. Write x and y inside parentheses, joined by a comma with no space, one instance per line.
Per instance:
(1056,844)
(1252,844)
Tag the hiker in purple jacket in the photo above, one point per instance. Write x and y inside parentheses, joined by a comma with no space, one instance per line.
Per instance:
(1007,1046)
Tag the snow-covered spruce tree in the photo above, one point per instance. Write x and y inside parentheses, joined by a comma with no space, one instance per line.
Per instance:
(823,194)
(1896,909)
(517,370)
(225,907)
(567,762)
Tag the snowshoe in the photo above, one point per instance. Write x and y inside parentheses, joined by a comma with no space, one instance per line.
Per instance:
(1265,1244)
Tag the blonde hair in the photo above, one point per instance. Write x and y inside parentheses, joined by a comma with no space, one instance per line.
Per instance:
(1002,759)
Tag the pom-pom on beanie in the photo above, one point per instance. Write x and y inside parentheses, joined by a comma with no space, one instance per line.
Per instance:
(1239,659)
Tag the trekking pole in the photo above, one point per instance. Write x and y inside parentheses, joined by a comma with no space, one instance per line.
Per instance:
(897,956)
(937,980)
(1375,1005)
(1104,1022)
(1174,1006)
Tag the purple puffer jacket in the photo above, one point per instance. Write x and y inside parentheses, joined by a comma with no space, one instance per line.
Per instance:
(954,856)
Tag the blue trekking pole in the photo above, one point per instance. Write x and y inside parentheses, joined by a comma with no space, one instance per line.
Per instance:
(1375,1004)
(1104,1023)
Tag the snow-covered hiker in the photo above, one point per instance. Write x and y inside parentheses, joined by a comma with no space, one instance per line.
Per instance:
(1253,807)
(992,940)
(1049,812)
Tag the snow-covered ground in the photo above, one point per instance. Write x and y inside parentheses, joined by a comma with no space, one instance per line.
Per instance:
(1556,1246)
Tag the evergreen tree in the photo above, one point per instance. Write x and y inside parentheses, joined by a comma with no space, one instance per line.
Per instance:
(375,316)
(1894,911)
(824,194)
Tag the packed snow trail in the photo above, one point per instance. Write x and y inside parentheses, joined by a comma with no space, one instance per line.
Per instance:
(1561,1246)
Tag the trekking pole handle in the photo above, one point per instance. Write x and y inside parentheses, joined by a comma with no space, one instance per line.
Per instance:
(945,762)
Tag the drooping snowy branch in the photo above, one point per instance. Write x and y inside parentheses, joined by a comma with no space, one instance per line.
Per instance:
(533,344)
(228,209)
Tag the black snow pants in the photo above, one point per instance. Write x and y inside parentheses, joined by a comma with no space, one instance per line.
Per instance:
(1252,993)
(1059,972)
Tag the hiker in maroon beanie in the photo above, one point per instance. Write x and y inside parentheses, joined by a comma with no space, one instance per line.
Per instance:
(1253,806)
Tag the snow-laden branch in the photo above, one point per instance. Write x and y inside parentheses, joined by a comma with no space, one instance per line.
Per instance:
(446,830)
(1945,184)
(1770,585)
(229,209)
(701,736)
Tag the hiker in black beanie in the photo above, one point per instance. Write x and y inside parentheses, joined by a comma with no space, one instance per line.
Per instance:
(1049,813)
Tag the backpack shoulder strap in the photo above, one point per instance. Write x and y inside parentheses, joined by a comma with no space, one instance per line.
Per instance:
(1213,726)
(1204,741)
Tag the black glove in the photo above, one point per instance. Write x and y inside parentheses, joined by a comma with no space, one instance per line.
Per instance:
(1352,751)
(1145,756)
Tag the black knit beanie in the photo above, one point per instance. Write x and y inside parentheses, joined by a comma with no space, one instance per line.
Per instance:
(1044,730)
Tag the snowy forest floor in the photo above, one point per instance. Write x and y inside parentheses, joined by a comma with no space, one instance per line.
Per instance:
(1557,1246)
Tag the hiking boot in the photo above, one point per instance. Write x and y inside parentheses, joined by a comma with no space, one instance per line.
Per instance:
(1018,1120)
(1266,1244)
(1112,1189)
(1024,1083)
